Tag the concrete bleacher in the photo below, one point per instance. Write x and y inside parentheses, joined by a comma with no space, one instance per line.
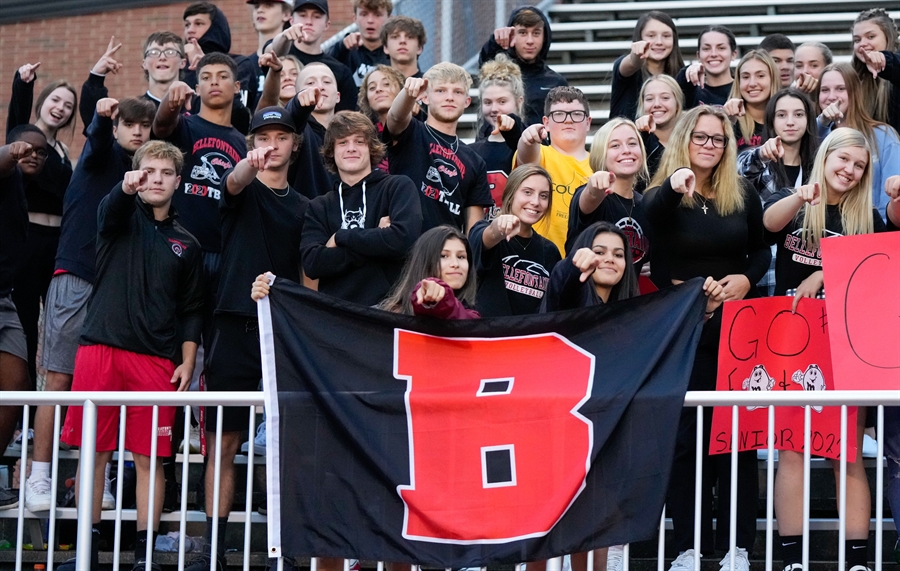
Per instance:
(589,37)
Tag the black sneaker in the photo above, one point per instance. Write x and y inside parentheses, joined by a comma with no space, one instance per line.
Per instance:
(203,562)
(9,498)
(141,564)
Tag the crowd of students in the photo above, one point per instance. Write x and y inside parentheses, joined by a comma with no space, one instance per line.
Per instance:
(344,171)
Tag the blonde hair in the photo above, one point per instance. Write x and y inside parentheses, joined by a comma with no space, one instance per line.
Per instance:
(600,145)
(159,150)
(503,72)
(855,205)
(746,123)
(446,72)
(724,181)
(671,84)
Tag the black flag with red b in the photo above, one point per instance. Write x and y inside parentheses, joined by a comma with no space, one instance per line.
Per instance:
(467,443)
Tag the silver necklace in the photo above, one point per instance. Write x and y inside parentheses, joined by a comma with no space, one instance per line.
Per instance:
(704,207)
(286,190)
(454,146)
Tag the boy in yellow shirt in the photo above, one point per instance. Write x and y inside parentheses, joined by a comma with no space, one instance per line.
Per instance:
(567,118)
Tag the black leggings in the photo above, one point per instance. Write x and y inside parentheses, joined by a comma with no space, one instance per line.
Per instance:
(715,469)
(31,283)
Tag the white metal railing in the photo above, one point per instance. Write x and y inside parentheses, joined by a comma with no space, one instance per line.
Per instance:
(701,400)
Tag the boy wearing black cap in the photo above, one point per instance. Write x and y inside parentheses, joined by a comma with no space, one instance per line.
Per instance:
(303,40)
(262,219)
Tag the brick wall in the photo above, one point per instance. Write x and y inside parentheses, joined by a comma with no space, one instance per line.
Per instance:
(68,47)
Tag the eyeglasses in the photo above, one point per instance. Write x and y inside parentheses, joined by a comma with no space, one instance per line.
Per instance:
(561,116)
(40,153)
(699,139)
(155,53)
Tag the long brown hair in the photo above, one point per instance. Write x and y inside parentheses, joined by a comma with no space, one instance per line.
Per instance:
(515,180)
(876,93)
(674,62)
(425,262)
(857,116)
(45,93)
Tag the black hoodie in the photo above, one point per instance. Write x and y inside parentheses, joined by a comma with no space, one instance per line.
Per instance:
(367,260)
(218,39)
(537,75)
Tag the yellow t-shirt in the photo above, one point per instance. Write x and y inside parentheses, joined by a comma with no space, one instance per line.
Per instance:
(567,174)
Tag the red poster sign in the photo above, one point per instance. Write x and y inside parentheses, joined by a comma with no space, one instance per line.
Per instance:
(862,285)
(765,347)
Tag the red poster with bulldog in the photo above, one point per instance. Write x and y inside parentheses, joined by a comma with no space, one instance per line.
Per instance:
(766,347)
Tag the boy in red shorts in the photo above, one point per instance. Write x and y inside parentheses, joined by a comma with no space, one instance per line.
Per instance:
(143,316)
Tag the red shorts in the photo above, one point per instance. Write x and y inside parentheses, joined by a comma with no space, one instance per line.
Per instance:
(105,368)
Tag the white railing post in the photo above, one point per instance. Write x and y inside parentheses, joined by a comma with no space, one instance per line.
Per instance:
(732,499)
(120,487)
(698,488)
(447,31)
(23,466)
(879,485)
(770,486)
(54,480)
(842,486)
(88,457)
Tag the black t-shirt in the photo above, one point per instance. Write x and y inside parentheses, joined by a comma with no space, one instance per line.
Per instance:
(623,101)
(261,230)
(695,95)
(360,61)
(793,173)
(756,139)
(342,75)
(627,215)
(13,227)
(209,150)
(654,152)
(448,174)
(513,275)
(498,156)
(794,259)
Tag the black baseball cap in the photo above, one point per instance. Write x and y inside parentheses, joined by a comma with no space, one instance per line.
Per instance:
(272,116)
(320,4)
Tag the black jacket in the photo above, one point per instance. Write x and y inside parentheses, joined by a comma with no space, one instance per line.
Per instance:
(149,281)
(537,75)
(368,259)
(218,39)
(102,165)
(307,173)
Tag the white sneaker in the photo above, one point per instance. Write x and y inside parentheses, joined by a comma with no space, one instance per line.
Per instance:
(741,562)
(259,441)
(684,562)
(109,502)
(615,558)
(193,439)
(38,496)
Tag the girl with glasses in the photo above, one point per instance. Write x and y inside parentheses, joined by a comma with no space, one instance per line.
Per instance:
(707,221)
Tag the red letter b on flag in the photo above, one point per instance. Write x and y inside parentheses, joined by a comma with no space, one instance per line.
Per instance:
(498,451)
